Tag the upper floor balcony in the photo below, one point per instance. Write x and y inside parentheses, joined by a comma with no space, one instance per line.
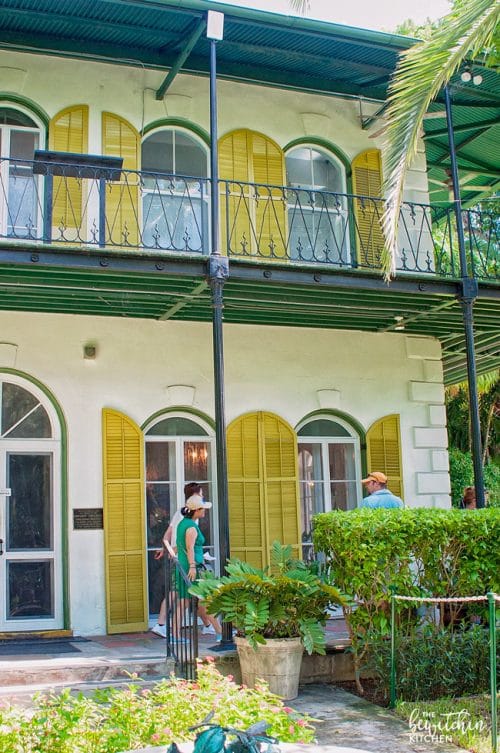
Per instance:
(85,207)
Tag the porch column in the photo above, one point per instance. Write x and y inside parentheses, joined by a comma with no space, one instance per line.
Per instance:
(218,272)
(467,298)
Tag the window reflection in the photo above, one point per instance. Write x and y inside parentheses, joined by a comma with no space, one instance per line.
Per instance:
(30,590)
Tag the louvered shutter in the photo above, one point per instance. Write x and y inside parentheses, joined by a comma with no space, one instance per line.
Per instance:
(367,182)
(235,202)
(384,451)
(281,482)
(68,132)
(252,225)
(263,487)
(245,485)
(270,210)
(121,139)
(124,524)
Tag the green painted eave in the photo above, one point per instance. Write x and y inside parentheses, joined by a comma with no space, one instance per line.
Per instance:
(259,295)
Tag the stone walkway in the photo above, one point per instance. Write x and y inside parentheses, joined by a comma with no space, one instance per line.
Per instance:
(347,720)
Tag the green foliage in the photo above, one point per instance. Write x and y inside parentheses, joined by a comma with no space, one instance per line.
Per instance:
(287,600)
(417,552)
(436,663)
(462,475)
(115,720)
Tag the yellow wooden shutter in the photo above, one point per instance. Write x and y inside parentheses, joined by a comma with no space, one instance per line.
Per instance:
(367,181)
(252,225)
(263,487)
(235,204)
(124,524)
(270,210)
(68,132)
(121,139)
(384,451)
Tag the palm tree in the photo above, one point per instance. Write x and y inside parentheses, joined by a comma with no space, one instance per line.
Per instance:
(423,70)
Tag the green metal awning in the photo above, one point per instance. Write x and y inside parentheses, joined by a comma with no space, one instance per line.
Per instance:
(254,294)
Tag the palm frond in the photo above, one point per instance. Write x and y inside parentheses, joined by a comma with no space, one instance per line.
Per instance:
(419,77)
(300,6)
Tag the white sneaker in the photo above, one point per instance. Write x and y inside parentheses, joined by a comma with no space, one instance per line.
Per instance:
(160,630)
(208,630)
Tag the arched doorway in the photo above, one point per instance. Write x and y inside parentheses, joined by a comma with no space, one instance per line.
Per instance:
(30,509)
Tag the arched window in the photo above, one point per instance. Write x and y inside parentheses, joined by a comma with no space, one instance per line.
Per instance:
(317,206)
(329,470)
(20,204)
(30,509)
(175,211)
(179,449)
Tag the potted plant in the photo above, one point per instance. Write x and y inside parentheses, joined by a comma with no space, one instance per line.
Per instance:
(277,612)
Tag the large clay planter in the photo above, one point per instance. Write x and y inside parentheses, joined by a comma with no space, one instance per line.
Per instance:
(277,662)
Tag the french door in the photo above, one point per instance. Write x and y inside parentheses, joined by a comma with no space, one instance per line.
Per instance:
(30,530)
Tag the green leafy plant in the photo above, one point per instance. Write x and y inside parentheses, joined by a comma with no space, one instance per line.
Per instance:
(416,552)
(287,600)
(113,720)
(436,662)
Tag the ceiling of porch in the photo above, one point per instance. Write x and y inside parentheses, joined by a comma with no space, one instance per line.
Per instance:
(273,296)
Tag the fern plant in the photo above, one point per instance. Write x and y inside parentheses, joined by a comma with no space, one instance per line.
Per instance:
(287,600)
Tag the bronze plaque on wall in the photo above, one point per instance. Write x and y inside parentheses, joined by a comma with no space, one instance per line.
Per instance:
(88,519)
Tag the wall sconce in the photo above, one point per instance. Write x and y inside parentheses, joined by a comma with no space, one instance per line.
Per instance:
(89,352)
(399,324)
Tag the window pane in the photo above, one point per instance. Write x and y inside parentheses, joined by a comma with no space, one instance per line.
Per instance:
(197,461)
(341,460)
(326,174)
(158,153)
(323,428)
(177,426)
(23,145)
(16,403)
(160,506)
(160,461)
(29,521)
(344,495)
(177,222)
(8,116)
(190,156)
(298,167)
(30,590)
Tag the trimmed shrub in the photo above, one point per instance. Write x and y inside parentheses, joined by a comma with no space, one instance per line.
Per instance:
(416,552)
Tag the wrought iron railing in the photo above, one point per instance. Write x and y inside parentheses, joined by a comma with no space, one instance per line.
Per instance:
(158,212)
(182,618)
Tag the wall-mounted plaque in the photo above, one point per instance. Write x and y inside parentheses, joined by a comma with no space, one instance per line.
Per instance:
(88,519)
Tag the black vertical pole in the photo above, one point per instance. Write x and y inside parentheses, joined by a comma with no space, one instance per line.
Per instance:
(218,271)
(467,299)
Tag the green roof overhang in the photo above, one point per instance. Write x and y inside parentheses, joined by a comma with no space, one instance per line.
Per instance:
(142,286)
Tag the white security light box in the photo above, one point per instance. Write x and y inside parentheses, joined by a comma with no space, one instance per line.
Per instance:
(215,25)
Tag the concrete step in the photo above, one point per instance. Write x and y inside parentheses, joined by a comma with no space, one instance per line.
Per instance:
(68,671)
(22,695)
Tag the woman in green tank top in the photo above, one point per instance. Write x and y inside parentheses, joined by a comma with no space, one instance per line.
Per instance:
(190,542)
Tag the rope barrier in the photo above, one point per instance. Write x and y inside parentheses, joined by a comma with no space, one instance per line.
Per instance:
(444,599)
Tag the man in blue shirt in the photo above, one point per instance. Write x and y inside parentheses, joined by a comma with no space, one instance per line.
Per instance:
(379,494)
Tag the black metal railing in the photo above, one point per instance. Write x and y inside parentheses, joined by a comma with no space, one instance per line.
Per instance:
(70,204)
(182,619)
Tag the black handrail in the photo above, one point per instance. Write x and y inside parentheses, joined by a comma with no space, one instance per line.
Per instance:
(182,618)
(58,203)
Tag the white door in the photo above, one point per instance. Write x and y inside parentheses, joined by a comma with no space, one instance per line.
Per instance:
(30,515)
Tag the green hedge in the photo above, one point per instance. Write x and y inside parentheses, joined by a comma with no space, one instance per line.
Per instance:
(418,552)
(436,664)
(462,475)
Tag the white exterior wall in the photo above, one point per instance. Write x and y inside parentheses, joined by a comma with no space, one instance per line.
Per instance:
(266,368)
(54,83)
